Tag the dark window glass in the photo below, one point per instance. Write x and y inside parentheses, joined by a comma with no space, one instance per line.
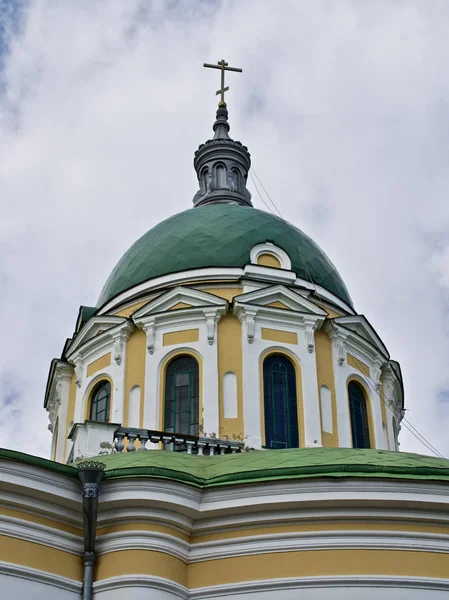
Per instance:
(280,404)
(359,416)
(182,396)
(99,407)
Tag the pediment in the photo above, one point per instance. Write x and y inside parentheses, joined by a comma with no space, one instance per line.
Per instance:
(280,297)
(93,328)
(360,325)
(180,298)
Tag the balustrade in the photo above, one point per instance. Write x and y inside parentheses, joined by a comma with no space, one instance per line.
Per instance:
(178,442)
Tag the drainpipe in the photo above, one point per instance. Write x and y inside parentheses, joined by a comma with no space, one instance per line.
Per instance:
(90,474)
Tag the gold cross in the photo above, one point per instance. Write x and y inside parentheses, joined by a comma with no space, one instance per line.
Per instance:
(223,66)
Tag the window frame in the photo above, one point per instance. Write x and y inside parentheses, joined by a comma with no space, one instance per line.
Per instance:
(289,412)
(99,387)
(193,396)
(361,430)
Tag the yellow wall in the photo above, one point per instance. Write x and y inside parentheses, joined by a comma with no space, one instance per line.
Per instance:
(229,336)
(185,336)
(99,364)
(278,304)
(277,335)
(48,522)
(148,562)
(325,376)
(129,310)
(226,293)
(180,305)
(356,363)
(309,563)
(257,567)
(268,260)
(38,556)
(330,311)
(135,370)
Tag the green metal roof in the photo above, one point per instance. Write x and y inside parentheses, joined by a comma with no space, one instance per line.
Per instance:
(219,235)
(257,466)
(270,465)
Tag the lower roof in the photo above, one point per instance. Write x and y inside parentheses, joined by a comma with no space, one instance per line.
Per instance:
(257,465)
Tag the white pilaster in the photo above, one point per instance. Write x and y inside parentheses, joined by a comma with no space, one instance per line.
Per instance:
(341,393)
(311,400)
(63,377)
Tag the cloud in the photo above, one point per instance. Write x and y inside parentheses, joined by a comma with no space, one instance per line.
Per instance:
(343,105)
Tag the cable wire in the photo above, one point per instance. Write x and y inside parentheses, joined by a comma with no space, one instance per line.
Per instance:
(404,422)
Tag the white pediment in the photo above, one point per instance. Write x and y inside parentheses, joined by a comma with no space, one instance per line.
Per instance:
(278,297)
(180,297)
(95,327)
(360,325)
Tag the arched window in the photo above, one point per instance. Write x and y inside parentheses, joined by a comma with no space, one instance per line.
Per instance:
(280,404)
(234,180)
(182,396)
(359,416)
(220,177)
(204,180)
(100,402)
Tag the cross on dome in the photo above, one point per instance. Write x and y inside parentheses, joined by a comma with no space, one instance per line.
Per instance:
(222,164)
(223,66)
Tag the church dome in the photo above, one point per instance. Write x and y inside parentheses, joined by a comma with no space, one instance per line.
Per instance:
(219,235)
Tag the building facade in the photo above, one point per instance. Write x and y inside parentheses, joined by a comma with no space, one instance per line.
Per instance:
(247,420)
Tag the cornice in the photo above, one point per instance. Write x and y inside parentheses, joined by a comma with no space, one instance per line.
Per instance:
(111,340)
(208,315)
(396,497)
(89,330)
(141,581)
(166,300)
(256,273)
(36,533)
(38,576)
(347,340)
(244,588)
(331,581)
(272,543)
(266,315)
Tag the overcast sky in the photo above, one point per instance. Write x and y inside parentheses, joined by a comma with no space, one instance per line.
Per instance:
(343,105)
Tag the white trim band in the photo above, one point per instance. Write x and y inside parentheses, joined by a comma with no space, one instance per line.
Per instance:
(38,576)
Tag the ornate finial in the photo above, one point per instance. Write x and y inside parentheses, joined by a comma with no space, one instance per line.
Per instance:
(222,164)
(223,66)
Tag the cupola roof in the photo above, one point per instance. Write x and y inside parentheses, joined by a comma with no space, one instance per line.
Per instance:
(222,167)
(219,235)
(223,227)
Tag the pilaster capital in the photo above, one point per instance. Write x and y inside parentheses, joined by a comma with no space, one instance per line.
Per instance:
(338,342)
(310,327)
(247,316)
(212,315)
(120,338)
(376,373)
(79,366)
(149,326)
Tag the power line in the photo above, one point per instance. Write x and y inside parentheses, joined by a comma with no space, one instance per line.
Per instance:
(405,422)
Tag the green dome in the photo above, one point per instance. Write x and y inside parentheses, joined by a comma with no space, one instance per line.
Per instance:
(219,235)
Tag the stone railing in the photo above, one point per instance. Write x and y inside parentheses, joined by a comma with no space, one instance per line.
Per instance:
(191,444)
